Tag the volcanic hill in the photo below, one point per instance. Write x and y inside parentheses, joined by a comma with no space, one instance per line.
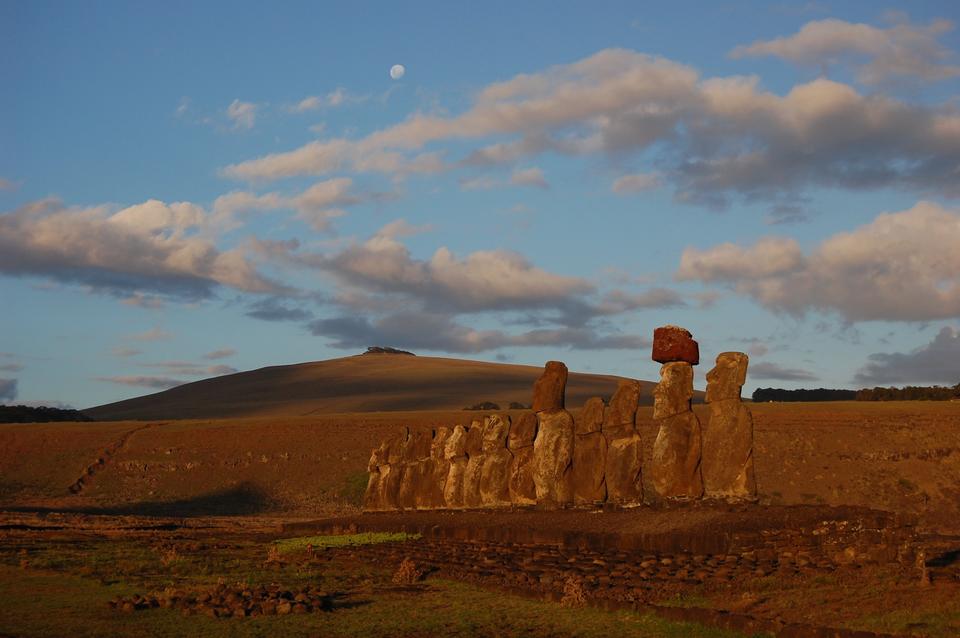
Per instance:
(371,382)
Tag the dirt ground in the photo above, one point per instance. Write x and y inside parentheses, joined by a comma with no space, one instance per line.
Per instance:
(899,457)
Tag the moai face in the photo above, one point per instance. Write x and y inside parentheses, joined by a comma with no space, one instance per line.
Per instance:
(673,394)
(727,377)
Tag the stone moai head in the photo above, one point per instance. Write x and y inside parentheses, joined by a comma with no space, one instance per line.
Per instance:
(550,388)
(495,430)
(673,394)
(439,443)
(456,444)
(727,377)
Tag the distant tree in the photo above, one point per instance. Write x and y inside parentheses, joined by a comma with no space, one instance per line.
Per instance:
(909,393)
(485,405)
(762,395)
(42,414)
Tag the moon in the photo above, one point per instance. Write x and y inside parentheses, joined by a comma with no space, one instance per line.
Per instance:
(397,71)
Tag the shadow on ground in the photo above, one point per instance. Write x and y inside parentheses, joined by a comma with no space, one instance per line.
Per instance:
(245,499)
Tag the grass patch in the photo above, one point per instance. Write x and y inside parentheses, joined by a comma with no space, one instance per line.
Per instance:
(287,545)
(355,486)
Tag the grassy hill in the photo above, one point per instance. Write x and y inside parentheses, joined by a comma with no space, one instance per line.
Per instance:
(362,383)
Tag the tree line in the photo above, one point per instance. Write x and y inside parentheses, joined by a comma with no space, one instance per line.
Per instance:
(908,393)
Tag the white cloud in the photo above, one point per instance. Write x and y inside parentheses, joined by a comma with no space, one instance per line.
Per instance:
(529,177)
(337,97)
(148,248)
(242,114)
(903,50)
(902,266)
(121,351)
(713,138)
(636,183)
(182,107)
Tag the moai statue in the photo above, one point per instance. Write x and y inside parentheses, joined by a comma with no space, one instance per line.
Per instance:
(455,454)
(432,473)
(495,472)
(391,472)
(675,466)
(624,452)
(416,451)
(589,455)
(471,477)
(523,491)
(372,494)
(553,447)
(728,436)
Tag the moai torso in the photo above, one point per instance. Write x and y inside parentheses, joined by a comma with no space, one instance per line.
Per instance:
(728,437)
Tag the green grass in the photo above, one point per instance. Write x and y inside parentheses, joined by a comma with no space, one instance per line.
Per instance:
(288,545)
(45,603)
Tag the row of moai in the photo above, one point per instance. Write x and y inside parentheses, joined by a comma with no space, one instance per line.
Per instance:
(549,459)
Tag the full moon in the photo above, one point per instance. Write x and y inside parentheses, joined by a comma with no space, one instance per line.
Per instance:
(397,71)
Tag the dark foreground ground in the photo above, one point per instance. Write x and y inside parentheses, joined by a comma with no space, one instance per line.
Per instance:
(692,571)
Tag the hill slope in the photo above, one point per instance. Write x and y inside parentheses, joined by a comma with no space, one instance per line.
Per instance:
(362,383)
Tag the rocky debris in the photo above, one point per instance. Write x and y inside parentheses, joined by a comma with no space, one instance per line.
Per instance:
(520,440)
(727,464)
(455,453)
(675,466)
(673,343)
(407,573)
(472,474)
(236,601)
(495,471)
(553,458)
(549,389)
(386,350)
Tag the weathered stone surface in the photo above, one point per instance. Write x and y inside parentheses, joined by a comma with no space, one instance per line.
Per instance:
(728,452)
(389,485)
(495,473)
(591,417)
(436,468)
(396,444)
(675,467)
(370,496)
(618,420)
(726,378)
(673,394)
(623,470)
(673,343)
(727,464)
(472,474)
(553,458)
(455,453)
(549,389)
(414,475)
(523,491)
(587,473)
(522,431)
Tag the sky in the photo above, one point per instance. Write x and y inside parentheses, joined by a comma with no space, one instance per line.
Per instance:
(193,189)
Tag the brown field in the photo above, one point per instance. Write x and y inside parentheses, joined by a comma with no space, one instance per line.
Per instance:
(92,511)
(900,457)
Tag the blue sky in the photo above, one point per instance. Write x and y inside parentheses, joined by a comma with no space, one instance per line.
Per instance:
(188,190)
